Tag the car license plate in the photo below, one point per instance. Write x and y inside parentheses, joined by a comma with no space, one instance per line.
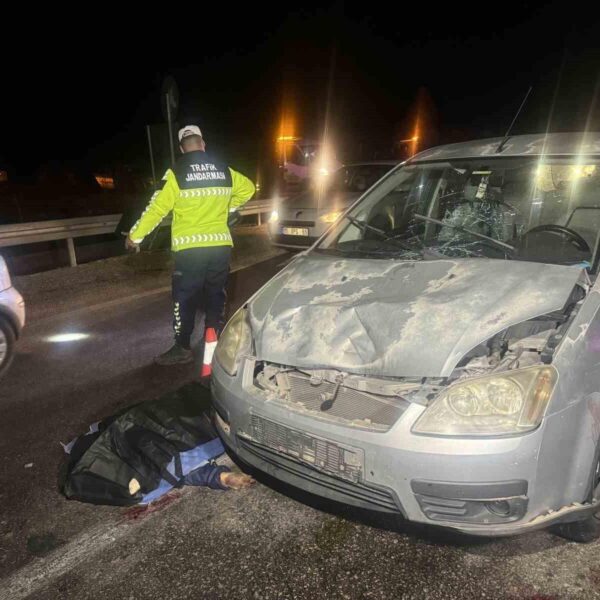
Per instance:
(295,231)
(341,460)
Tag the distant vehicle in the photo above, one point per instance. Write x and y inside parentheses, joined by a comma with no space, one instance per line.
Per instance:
(301,159)
(295,157)
(436,355)
(299,221)
(12,317)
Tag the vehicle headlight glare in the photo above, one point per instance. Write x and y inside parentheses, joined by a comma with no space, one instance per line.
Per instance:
(274,217)
(235,342)
(331,217)
(500,404)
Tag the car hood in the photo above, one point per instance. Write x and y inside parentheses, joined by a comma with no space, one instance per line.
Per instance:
(391,318)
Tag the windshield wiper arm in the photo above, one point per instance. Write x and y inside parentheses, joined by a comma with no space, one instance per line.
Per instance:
(363,226)
(465,230)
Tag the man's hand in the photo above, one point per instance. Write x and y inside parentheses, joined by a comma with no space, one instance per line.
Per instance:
(236,481)
(130,244)
(234,218)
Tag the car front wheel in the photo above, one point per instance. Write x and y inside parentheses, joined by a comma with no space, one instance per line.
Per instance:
(7,345)
(584,531)
(588,529)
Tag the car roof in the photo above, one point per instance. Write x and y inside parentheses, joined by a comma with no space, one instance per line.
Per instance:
(565,144)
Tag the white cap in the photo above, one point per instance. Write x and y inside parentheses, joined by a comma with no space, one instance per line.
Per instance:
(189,130)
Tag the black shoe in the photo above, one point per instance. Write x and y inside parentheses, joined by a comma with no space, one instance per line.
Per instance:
(177,355)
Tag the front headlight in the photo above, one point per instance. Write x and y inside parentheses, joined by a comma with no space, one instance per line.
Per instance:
(235,341)
(5,281)
(331,217)
(506,403)
(274,217)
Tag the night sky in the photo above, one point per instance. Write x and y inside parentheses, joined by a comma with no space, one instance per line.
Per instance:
(84,91)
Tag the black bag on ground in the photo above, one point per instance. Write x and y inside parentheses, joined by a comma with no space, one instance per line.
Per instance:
(138,444)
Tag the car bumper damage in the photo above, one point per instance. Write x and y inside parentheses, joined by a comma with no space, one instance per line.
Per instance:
(404,434)
(481,487)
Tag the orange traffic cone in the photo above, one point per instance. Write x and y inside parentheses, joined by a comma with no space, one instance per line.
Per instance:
(210,343)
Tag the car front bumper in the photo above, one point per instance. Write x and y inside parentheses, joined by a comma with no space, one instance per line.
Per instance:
(293,242)
(481,487)
(314,230)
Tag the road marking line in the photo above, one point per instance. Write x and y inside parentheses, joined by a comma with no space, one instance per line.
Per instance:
(42,571)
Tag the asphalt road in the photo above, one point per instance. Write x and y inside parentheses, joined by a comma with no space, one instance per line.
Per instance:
(265,542)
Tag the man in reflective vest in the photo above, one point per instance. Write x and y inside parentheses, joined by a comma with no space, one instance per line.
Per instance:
(200,190)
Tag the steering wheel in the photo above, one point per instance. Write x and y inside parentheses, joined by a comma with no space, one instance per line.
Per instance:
(572,236)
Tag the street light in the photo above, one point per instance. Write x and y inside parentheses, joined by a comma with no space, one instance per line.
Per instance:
(413,141)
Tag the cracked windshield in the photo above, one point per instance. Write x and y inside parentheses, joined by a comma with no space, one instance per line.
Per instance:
(523,209)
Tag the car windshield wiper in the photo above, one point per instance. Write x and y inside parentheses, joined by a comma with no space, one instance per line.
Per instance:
(465,230)
(363,226)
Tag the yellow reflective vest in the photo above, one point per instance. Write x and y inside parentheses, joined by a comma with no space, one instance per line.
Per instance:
(200,190)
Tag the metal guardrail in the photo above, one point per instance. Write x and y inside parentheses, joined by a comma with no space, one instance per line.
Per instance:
(68,229)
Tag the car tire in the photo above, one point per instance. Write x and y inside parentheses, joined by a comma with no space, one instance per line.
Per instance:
(7,345)
(585,530)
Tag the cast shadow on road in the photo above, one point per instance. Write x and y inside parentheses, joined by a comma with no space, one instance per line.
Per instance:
(436,536)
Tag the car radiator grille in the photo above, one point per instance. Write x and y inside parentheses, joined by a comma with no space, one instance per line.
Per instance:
(360,408)
(318,482)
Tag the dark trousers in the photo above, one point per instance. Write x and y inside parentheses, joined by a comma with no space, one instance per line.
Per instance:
(199,279)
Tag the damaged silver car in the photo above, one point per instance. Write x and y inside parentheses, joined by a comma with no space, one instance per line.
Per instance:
(436,354)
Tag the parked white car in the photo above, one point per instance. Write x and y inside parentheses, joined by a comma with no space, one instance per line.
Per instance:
(298,222)
(12,317)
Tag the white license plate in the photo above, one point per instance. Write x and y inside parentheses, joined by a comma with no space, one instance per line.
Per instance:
(295,231)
